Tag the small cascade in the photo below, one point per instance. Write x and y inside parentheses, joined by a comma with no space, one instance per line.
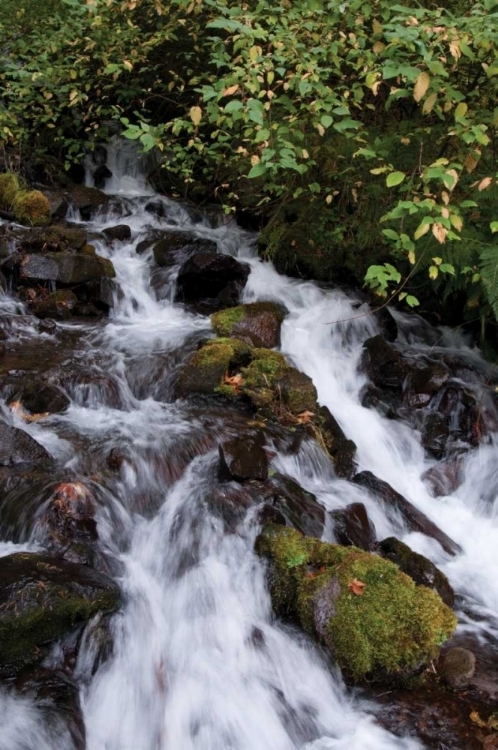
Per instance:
(198,661)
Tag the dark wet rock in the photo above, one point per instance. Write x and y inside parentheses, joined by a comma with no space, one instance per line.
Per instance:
(86,199)
(375,621)
(457,667)
(65,268)
(102,292)
(42,599)
(17,447)
(296,507)
(2,349)
(85,385)
(435,434)
(58,697)
(174,248)
(59,305)
(88,250)
(387,323)
(242,459)
(68,523)
(47,326)
(384,364)
(115,459)
(43,398)
(101,175)
(414,518)
(423,383)
(353,527)
(258,323)
(58,202)
(209,282)
(342,450)
(121,233)
(418,567)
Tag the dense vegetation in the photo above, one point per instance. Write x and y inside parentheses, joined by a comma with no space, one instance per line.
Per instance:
(363,135)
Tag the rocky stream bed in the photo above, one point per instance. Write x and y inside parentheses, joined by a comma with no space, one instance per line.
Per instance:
(238,511)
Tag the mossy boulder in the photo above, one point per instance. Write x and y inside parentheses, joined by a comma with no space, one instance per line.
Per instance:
(9,188)
(65,268)
(205,370)
(272,384)
(372,617)
(31,207)
(259,323)
(55,238)
(41,599)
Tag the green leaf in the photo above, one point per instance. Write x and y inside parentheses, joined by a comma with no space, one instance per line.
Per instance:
(395,178)
(412,301)
(234,106)
(494,226)
(258,170)
(390,234)
(326,121)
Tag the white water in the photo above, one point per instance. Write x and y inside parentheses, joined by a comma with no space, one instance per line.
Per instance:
(199,663)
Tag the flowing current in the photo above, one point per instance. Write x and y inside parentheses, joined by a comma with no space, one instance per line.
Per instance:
(198,661)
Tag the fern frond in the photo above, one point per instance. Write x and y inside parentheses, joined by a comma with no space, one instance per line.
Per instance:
(489,275)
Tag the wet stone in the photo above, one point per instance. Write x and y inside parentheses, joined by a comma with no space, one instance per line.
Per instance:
(17,447)
(43,399)
(121,233)
(418,567)
(457,667)
(173,248)
(293,506)
(353,527)
(384,364)
(209,282)
(242,459)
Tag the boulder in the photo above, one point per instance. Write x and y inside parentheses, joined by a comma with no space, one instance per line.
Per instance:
(295,506)
(59,305)
(121,233)
(423,383)
(47,326)
(457,666)
(209,282)
(414,518)
(387,324)
(270,383)
(68,523)
(101,175)
(384,364)
(353,527)
(445,477)
(374,620)
(243,458)
(42,599)
(19,448)
(43,398)
(56,238)
(175,247)
(205,370)
(418,567)
(341,450)
(258,323)
(86,200)
(65,268)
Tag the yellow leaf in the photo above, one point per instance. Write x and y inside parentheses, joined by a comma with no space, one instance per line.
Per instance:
(411,255)
(484,183)
(320,129)
(457,222)
(73,95)
(476,719)
(231,90)
(420,231)
(128,64)
(470,162)
(452,173)
(429,103)
(305,154)
(255,159)
(461,110)
(445,197)
(433,272)
(254,53)
(421,86)
(437,261)
(329,199)
(444,212)
(439,232)
(378,47)
(376,27)
(195,115)
(455,49)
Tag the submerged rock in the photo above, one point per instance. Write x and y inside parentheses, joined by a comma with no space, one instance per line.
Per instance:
(209,282)
(41,599)
(43,399)
(258,323)
(414,518)
(173,248)
(372,617)
(86,199)
(242,459)
(17,447)
(418,567)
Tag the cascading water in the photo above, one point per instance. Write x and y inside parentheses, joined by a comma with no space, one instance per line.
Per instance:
(198,662)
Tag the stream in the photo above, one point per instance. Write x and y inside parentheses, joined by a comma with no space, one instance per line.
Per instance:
(198,661)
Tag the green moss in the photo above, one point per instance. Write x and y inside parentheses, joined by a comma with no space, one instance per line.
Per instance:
(265,369)
(224,321)
(107,266)
(31,207)
(9,188)
(241,352)
(393,627)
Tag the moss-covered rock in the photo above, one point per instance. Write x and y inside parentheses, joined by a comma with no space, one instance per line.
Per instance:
(259,323)
(41,599)
(372,617)
(271,383)
(9,188)
(205,370)
(31,207)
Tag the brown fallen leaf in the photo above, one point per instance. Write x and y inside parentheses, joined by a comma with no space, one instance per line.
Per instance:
(18,409)
(70,491)
(356,587)
(476,719)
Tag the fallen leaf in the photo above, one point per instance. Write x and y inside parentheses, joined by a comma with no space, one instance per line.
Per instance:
(476,719)
(70,491)
(356,587)
(231,90)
